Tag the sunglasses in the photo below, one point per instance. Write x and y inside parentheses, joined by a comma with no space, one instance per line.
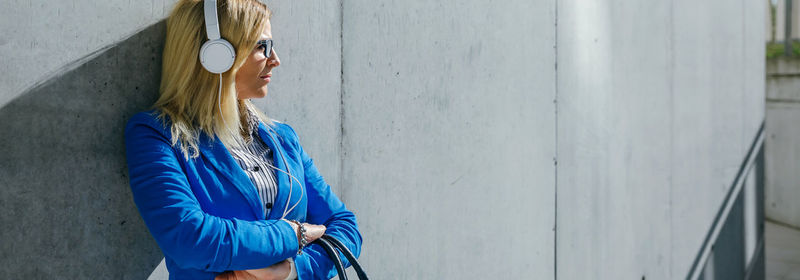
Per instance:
(267,46)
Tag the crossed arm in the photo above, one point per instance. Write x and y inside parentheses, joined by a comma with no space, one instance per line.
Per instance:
(195,239)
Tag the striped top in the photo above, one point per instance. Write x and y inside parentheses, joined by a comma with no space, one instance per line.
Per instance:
(255,159)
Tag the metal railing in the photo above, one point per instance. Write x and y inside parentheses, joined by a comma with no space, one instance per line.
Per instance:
(725,253)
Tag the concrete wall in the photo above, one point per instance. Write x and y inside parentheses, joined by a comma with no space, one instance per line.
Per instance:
(783,149)
(71,81)
(449,130)
(43,39)
(472,139)
(657,105)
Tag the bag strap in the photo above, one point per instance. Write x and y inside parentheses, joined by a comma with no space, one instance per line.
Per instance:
(330,244)
(337,262)
(349,255)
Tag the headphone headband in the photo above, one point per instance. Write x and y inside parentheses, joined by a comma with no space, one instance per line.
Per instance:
(212,21)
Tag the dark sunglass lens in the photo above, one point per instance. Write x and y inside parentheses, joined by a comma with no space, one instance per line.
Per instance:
(267,45)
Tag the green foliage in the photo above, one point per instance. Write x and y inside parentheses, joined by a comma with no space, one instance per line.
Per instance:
(776,49)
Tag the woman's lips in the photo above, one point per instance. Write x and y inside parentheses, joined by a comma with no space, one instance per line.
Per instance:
(266,77)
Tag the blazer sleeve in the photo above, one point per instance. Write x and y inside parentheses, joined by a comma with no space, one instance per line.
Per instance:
(325,208)
(185,233)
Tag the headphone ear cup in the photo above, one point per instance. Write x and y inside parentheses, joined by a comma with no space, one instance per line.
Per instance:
(217,56)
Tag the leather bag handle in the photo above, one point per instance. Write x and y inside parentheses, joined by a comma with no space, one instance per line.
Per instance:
(330,244)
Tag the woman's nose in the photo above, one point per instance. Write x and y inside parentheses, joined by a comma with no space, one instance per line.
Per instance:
(274,60)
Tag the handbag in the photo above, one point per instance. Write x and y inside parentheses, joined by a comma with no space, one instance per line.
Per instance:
(330,244)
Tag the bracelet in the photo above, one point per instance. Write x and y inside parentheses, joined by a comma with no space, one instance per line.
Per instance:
(301,236)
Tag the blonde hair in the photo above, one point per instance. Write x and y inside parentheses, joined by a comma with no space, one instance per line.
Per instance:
(189,93)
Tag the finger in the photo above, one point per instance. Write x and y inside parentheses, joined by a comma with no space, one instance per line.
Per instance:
(224,276)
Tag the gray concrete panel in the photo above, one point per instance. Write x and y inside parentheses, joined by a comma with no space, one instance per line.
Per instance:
(718,108)
(65,204)
(783,66)
(783,88)
(695,85)
(782,154)
(783,79)
(614,134)
(449,137)
(651,130)
(754,67)
(41,39)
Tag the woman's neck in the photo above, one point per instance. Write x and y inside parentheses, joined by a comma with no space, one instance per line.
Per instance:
(248,121)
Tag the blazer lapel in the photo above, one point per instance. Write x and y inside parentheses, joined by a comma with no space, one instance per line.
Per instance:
(218,156)
(269,137)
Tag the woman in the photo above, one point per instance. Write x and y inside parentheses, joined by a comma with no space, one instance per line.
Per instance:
(225,191)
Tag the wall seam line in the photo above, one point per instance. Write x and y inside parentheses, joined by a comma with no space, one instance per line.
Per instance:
(671,137)
(555,152)
(342,151)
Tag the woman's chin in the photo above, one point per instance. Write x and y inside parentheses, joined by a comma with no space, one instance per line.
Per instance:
(261,93)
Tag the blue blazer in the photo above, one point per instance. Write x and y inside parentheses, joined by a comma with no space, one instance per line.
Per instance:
(205,213)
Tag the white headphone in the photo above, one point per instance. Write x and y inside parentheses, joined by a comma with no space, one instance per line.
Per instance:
(216,54)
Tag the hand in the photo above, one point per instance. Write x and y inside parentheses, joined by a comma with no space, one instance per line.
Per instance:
(313,232)
(278,271)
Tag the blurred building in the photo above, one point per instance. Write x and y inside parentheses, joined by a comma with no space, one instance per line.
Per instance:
(778,33)
(782,145)
(782,115)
